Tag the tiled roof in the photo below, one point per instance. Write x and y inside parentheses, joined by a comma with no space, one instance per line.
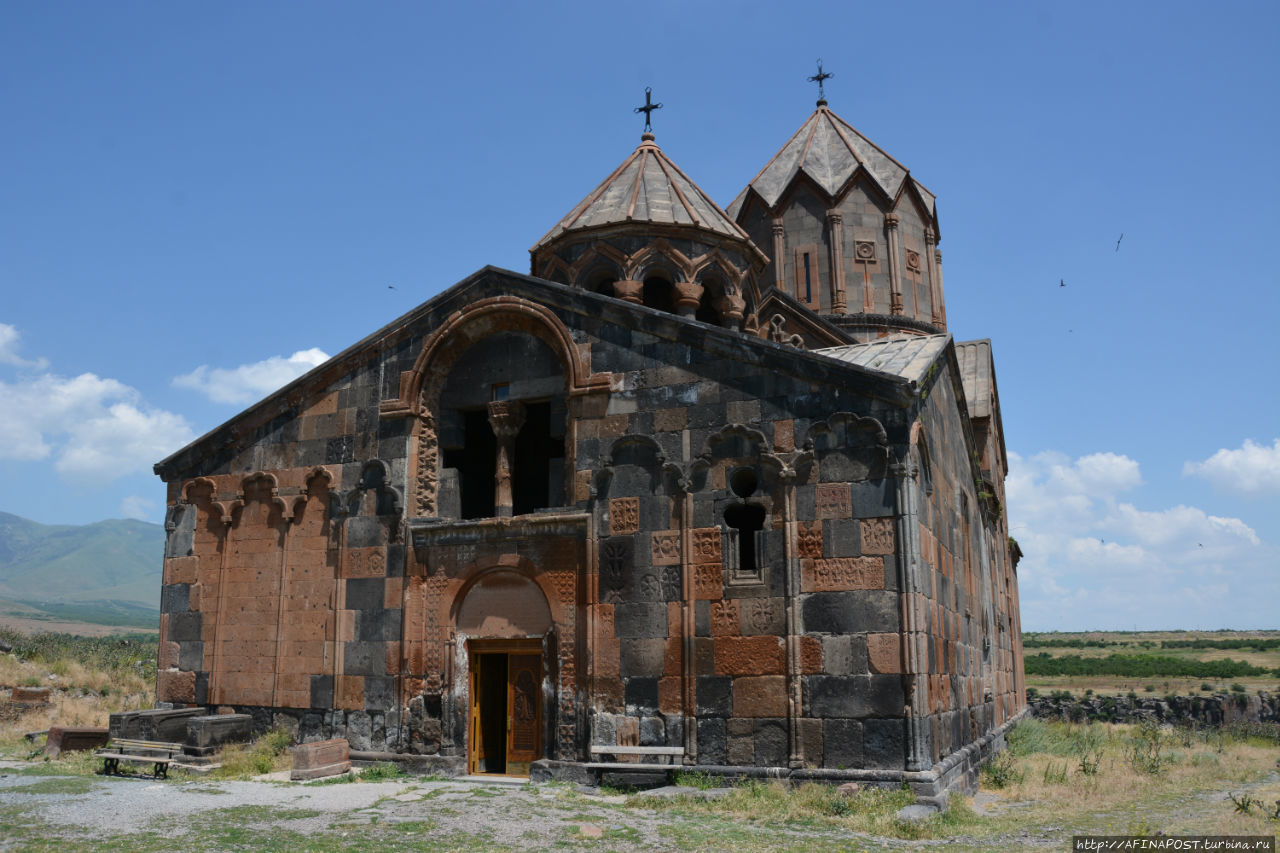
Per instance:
(828,150)
(646,188)
(906,356)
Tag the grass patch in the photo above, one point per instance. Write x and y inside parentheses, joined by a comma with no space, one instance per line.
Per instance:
(57,785)
(268,754)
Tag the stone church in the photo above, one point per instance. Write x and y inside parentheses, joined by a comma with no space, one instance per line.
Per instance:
(713,486)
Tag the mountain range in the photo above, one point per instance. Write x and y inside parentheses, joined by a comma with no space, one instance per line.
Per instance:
(109,567)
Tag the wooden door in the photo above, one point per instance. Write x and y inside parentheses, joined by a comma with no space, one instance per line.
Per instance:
(524,712)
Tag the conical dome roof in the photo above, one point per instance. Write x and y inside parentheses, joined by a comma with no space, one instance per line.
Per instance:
(648,188)
(829,151)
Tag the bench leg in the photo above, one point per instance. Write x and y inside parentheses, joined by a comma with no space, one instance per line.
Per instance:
(161,771)
(110,766)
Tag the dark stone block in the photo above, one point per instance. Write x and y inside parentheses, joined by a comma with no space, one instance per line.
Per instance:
(702,618)
(841,744)
(841,537)
(711,740)
(339,450)
(190,656)
(642,694)
(772,746)
(853,695)
(644,657)
(640,620)
(202,688)
(715,695)
(653,732)
(210,731)
(365,532)
(175,598)
(321,691)
(184,627)
(884,743)
(365,658)
(369,625)
(395,561)
(180,540)
(378,695)
(850,612)
(366,593)
(873,498)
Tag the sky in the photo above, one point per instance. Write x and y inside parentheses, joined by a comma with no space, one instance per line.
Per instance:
(199,202)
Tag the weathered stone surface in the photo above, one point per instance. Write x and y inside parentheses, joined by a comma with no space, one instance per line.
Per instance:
(320,758)
(760,696)
(30,695)
(209,732)
(74,739)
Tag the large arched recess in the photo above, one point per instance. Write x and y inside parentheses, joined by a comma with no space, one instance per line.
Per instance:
(420,387)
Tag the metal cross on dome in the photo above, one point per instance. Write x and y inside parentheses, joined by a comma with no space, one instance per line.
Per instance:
(649,107)
(819,78)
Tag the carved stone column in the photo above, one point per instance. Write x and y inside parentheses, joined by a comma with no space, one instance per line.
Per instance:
(505,419)
(835,232)
(895,264)
(629,291)
(779,254)
(688,298)
(931,258)
(936,259)
(732,307)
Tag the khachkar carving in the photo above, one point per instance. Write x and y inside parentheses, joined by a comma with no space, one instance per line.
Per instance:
(666,548)
(706,545)
(624,516)
(428,454)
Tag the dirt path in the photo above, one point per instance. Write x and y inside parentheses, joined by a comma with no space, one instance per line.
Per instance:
(139,814)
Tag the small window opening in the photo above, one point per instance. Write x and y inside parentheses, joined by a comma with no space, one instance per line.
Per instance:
(501,391)
(477,462)
(744,483)
(658,293)
(745,522)
(808,284)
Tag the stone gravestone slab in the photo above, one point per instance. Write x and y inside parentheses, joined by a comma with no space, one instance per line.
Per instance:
(154,724)
(321,758)
(209,733)
(71,738)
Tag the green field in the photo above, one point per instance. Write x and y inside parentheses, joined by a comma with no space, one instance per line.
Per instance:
(1183,662)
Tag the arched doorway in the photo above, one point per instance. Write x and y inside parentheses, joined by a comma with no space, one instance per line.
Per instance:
(505,619)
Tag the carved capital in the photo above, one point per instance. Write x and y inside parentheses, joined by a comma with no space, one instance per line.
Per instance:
(930,237)
(688,297)
(891,220)
(629,291)
(778,229)
(835,217)
(505,419)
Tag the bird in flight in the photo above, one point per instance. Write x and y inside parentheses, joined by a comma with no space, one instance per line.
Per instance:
(391,287)
(1118,241)
(1062,282)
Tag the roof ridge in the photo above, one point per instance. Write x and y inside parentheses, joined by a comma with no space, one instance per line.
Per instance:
(717,208)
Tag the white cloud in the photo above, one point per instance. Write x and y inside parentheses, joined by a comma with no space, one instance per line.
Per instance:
(9,349)
(95,429)
(1253,469)
(250,382)
(136,506)
(1093,561)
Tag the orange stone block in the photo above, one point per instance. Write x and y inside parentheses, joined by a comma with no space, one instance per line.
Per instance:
(760,696)
(608,657)
(349,692)
(884,652)
(670,420)
(764,655)
(393,658)
(168,655)
(669,695)
(784,436)
(725,620)
(840,574)
(673,656)
(181,569)
(810,656)
(393,598)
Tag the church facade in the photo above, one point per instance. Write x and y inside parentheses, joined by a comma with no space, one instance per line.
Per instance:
(714,484)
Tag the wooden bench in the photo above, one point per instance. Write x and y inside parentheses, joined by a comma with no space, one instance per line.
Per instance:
(159,754)
(670,752)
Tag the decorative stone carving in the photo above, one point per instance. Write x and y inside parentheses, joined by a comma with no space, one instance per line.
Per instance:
(913,261)
(810,538)
(864,251)
(759,615)
(708,581)
(624,516)
(615,561)
(671,586)
(428,456)
(629,291)
(724,618)
(842,573)
(666,548)
(833,500)
(706,545)
(877,536)
(778,334)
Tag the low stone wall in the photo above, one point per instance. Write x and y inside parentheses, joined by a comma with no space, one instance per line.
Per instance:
(1214,710)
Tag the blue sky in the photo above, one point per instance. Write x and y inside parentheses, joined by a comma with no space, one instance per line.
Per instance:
(202,201)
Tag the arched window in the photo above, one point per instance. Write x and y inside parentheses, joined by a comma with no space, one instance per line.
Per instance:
(745,521)
(659,294)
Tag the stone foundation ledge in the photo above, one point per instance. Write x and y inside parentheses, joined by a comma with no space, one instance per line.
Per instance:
(957,772)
